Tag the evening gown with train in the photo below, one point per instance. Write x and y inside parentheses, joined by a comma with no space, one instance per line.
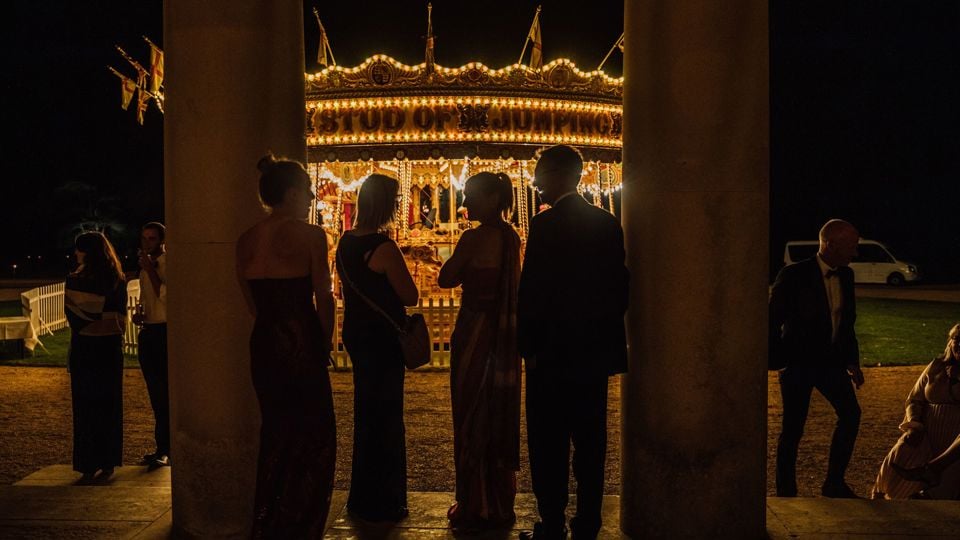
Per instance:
(288,362)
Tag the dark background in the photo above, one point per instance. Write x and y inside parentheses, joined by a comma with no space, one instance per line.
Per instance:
(864,111)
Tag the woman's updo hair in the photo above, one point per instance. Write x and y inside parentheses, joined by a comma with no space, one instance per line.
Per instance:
(496,183)
(277,175)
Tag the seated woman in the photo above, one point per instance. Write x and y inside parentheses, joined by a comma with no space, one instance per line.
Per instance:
(284,276)
(485,363)
(923,463)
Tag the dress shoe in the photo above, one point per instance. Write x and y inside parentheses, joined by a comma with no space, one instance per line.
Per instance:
(148,458)
(86,479)
(160,460)
(838,491)
(923,474)
(539,532)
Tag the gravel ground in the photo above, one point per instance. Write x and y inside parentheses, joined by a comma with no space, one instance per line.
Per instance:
(35,427)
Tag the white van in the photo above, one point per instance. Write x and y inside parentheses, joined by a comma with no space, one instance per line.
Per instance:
(873,264)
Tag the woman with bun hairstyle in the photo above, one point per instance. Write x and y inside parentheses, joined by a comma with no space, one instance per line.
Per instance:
(284,276)
(485,363)
(95,303)
(373,272)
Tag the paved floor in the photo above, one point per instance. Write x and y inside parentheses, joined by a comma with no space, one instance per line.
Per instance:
(135,504)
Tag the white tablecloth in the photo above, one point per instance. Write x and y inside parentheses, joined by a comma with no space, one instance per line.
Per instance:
(18,328)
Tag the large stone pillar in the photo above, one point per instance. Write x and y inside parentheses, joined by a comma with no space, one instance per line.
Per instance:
(696,219)
(234,90)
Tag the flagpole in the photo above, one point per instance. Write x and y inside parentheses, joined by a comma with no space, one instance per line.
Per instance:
(522,52)
(117,73)
(152,44)
(615,45)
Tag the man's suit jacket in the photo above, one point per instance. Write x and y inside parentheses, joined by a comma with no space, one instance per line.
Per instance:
(573,290)
(801,329)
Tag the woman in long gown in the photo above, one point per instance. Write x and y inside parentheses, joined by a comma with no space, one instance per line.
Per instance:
(283,269)
(96,307)
(485,363)
(372,269)
(923,462)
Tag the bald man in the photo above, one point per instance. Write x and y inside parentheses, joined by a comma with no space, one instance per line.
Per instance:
(813,344)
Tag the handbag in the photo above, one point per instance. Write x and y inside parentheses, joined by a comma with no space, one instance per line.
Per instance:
(413,334)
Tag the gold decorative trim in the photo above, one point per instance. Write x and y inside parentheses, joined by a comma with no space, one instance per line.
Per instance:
(382,76)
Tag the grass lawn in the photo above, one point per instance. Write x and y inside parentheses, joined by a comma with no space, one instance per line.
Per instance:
(899,332)
(55,355)
(11,309)
(891,332)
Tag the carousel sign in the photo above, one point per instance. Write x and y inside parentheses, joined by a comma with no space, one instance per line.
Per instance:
(446,118)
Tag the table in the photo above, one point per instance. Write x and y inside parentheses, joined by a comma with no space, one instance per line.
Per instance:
(19,328)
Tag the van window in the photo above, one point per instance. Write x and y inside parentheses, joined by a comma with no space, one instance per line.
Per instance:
(872,253)
(802,251)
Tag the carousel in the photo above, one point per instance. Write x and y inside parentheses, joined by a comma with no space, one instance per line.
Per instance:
(432,127)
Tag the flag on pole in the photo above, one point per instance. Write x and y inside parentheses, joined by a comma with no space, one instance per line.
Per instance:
(142,101)
(536,52)
(324,44)
(156,67)
(428,54)
(127,88)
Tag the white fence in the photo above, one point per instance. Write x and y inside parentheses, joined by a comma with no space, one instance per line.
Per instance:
(131,331)
(440,313)
(44,306)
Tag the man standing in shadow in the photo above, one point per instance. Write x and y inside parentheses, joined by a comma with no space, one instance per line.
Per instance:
(152,349)
(812,343)
(571,302)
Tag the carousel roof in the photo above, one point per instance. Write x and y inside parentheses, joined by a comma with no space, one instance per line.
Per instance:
(384,109)
(382,75)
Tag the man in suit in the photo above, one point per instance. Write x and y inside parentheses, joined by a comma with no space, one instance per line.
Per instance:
(571,302)
(812,343)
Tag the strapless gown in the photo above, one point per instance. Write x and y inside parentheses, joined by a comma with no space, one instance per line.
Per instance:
(288,362)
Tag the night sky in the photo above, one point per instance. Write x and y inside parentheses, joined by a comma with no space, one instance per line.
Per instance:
(865,119)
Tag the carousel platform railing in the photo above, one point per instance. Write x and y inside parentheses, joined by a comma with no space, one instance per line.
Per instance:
(440,314)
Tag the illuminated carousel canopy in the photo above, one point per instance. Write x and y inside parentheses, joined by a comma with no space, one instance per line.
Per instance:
(385,110)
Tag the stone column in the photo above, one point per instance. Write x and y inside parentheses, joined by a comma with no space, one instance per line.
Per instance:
(234,90)
(695,214)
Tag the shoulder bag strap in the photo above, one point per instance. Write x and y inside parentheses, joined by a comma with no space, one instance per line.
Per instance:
(371,303)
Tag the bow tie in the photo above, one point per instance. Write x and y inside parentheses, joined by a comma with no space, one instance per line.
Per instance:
(831,273)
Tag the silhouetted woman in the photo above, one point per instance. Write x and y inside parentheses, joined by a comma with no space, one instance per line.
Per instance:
(484,363)
(96,307)
(283,268)
(925,457)
(373,271)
